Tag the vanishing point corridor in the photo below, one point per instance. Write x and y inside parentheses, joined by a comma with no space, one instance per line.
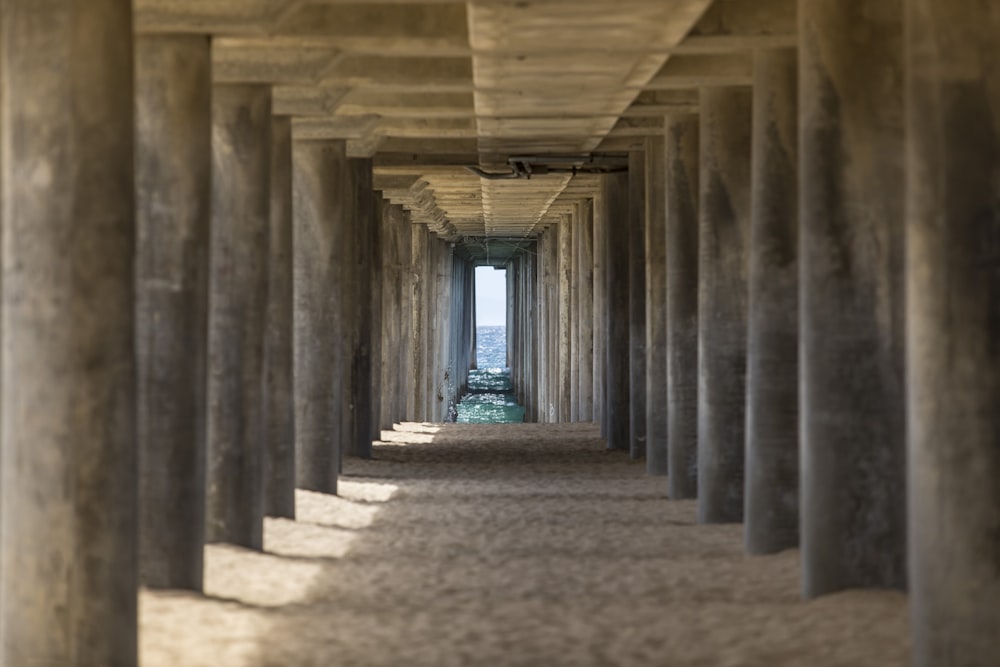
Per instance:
(750,253)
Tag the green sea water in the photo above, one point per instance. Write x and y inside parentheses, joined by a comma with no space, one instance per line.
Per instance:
(490,399)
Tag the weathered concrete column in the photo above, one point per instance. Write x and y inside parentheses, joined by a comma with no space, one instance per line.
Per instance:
(600,363)
(406,380)
(585,311)
(241,179)
(542,281)
(637,302)
(681,134)
(418,262)
(574,317)
(376,270)
(656,308)
(360,280)
(953,325)
(851,272)
(724,227)
(319,177)
(565,341)
(772,439)
(395,368)
(173,195)
(69,489)
(279,479)
(614,199)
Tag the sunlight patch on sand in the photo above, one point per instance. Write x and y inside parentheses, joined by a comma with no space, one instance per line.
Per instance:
(255,578)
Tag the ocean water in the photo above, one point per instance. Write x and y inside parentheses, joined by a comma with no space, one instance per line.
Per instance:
(490,400)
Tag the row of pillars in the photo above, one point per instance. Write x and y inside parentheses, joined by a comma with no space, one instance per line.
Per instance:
(793,310)
(200,314)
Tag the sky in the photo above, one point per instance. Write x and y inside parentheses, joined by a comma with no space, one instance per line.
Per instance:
(491,297)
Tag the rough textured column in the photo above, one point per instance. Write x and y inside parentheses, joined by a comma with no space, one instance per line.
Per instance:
(772,449)
(614,199)
(724,226)
(418,261)
(656,308)
(851,271)
(361,281)
(600,357)
(319,177)
(637,302)
(585,287)
(682,154)
(69,570)
(173,193)
(566,351)
(279,479)
(574,317)
(953,326)
(376,269)
(541,280)
(241,179)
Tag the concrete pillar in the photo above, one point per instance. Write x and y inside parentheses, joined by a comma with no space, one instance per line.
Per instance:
(360,281)
(953,325)
(69,489)
(542,282)
(565,340)
(851,271)
(724,229)
(681,134)
(600,357)
(279,480)
(241,179)
(406,379)
(614,199)
(656,308)
(376,269)
(772,438)
(418,261)
(585,312)
(574,318)
(388,361)
(395,363)
(319,177)
(637,302)
(173,194)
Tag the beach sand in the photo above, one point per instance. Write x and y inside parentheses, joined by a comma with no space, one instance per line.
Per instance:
(513,544)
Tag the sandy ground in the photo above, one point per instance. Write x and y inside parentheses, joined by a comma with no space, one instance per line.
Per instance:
(507,545)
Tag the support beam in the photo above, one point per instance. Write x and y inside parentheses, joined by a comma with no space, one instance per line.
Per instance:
(573,287)
(241,179)
(722,294)
(376,272)
(69,488)
(851,271)
(564,322)
(359,279)
(636,226)
(585,311)
(682,158)
(279,473)
(418,253)
(173,192)
(319,177)
(656,308)
(953,325)
(614,199)
(600,313)
(772,475)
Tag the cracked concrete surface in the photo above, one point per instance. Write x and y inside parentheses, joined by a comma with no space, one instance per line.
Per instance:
(515,544)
